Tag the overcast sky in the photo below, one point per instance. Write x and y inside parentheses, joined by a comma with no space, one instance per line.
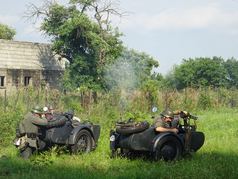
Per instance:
(168,30)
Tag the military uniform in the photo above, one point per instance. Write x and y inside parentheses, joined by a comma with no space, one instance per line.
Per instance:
(26,125)
(167,124)
(30,124)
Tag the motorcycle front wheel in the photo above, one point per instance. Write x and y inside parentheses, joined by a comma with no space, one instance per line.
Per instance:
(83,142)
(168,149)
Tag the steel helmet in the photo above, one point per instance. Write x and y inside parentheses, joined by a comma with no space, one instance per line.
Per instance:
(36,109)
(167,113)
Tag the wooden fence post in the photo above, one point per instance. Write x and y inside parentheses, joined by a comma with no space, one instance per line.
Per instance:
(5,100)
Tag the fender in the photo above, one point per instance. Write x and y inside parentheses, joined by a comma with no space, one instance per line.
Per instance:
(161,136)
(75,131)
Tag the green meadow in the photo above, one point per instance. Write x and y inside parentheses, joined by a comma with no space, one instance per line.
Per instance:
(218,158)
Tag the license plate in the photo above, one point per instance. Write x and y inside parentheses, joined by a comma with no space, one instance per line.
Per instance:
(112,138)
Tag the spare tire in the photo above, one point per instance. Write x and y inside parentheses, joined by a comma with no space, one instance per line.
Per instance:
(130,128)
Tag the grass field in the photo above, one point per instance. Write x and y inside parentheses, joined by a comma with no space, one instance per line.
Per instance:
(218,158)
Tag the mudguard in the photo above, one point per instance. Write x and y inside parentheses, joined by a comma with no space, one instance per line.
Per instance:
(197,140)
(163,135)
(58,135)
(93,129)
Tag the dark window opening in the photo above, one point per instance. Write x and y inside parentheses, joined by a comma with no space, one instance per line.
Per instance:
(15,81)
(2,81)
(27,80)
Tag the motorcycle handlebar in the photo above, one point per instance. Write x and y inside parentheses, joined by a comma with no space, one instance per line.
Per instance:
(185,114)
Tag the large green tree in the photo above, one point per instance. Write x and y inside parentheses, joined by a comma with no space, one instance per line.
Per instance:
(88,42)
(6,32)
(199,72)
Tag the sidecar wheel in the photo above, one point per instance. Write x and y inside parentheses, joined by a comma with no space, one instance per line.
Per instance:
(26,153)
(83,142)
(168,149)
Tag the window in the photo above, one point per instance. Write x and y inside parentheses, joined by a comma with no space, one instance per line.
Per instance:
(27,80)
(2,78)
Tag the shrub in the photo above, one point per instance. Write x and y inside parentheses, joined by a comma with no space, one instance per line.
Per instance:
(204,100)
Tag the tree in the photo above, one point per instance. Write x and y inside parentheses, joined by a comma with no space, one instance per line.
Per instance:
(200,72)
(231,66)
(6,32)
(89,43)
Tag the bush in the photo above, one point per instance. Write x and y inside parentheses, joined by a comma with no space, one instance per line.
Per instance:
(204,101)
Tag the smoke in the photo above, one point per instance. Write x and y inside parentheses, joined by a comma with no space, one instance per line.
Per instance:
(121,77)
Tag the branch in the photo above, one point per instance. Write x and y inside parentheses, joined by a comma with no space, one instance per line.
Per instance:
(33,12)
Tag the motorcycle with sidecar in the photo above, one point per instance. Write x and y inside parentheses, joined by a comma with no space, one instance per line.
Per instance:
(62,130)
(129,138)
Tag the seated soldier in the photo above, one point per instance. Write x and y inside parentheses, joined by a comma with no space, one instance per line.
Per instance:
(167,122)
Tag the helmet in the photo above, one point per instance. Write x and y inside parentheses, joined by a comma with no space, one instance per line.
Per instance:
(36,109)
(167,113)
(45,109)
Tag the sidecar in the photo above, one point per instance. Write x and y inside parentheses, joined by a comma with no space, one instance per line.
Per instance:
(78,137)
(140,138)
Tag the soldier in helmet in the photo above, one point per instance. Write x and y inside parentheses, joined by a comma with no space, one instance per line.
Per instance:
(39,117)
(166,122)
(33,119)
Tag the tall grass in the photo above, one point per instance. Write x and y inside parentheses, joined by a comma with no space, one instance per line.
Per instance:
(218,158)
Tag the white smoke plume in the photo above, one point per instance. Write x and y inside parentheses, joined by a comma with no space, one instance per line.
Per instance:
(121,76)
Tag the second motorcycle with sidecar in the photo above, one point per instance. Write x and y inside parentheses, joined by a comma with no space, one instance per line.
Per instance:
(130,138)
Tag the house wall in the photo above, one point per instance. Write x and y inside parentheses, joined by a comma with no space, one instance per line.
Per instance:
(18,78)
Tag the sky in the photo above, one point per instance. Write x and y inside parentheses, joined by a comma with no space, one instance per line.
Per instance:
(168,30)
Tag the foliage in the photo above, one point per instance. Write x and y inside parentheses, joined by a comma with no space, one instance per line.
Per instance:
(200,72)
(72,102)
(8,125)
(204,100)
(6,32)
(231,66)
(142,64)
(203,72)
(215,159)
(83,42)
(150,88)
(137,116)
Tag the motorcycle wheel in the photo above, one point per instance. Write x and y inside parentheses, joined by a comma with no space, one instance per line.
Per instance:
(168,149)
(26,153)
(83,142)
